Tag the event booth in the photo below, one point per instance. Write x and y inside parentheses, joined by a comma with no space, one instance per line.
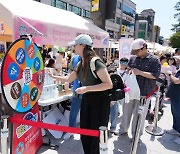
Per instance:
(48,26)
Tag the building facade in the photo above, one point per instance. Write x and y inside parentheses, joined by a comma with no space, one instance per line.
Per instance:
(128,19)
(83,8)
(147,15)
(156,33)
(141,29)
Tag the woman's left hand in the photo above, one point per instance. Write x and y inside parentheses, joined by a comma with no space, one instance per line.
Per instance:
(81,90)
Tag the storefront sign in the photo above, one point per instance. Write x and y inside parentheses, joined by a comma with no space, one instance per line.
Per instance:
(95,5)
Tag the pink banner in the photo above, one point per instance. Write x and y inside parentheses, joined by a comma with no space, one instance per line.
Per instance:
(51,34)
(125,47)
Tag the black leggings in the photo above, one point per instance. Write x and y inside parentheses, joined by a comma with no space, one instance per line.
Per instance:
(95,108)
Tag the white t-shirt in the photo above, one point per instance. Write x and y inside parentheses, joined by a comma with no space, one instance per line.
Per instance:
(173,69)
(123,74)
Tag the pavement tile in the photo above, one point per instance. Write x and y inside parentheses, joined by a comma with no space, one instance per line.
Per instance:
(64,150)
(121,147)
(154,152)
(71,143)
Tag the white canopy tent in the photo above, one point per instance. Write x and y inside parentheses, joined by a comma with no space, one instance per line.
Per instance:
(49,25)
(114,45)
(155,46)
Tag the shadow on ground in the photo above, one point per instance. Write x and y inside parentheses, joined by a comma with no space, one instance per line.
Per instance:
(124,143)
(165,141)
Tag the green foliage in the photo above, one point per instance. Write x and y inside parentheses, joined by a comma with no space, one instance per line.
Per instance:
(175,40)
(176,27)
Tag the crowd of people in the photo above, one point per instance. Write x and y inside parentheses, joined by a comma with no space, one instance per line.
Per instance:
(139,73)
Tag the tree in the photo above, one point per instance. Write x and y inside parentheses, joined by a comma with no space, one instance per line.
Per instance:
(175,40)
(176,27)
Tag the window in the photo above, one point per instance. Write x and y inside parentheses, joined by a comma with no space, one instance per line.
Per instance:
(117,20)
(118,5)
(141,35)
(86,14)
(129,11)
(61,5)
(53,3)
(142,26)
(75,9)
(128,24)
(111,33)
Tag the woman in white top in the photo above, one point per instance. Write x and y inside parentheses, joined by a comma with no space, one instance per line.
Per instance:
(172,65)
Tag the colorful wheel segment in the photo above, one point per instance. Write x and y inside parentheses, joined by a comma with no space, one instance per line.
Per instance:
(22,75)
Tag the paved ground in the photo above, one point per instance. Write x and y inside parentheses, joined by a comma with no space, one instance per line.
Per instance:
(121,145)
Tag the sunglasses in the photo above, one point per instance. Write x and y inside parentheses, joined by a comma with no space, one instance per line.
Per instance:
(123,63)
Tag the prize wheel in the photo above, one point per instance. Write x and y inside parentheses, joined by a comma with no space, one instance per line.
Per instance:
(22,75)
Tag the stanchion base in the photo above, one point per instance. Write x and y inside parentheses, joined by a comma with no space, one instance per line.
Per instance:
(156,131)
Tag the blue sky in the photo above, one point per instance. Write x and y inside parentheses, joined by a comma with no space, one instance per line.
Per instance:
(164,16)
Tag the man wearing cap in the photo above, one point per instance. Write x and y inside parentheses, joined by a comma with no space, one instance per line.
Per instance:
(147,69)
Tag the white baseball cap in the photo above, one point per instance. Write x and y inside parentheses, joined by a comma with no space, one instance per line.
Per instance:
(137,44)
(82,39)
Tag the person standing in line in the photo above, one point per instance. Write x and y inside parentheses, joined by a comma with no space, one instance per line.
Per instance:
(76,99)
(163,61)
(177,56)
(115,105)
(130,106)
(172,65)
(95,105)
(173,94)
(147,69)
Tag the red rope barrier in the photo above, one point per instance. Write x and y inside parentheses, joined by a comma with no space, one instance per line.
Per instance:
(149,95)
(87,132)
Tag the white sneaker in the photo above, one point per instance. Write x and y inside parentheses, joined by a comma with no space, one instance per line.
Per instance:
(114,131)
(177,141)
(172,132)
(67,136)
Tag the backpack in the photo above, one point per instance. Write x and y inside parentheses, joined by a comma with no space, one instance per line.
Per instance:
(117,92)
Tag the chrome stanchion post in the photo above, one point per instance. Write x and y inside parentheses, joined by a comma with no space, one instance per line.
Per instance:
(154,129)
(4,134)
(138,126)
(103,140)
(157,107)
